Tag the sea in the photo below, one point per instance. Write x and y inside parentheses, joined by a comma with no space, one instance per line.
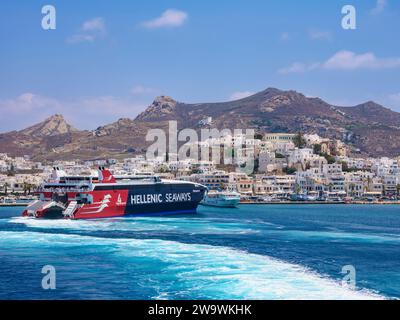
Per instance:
(252,252)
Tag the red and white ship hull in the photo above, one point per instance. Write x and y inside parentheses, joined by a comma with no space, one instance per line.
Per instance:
(108,198)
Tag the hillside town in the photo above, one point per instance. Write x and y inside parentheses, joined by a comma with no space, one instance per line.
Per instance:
(287,167)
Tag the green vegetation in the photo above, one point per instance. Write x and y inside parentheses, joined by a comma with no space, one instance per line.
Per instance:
(262,122)
(5,188)
(355,126)
(164,169)
(346,168)
(27,187)
(299,141)
(258,136)
(11,171)
(317,148)
(256,164)
(289,170)
(328,157)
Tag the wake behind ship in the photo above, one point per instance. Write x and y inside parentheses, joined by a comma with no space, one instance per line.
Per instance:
(107,196)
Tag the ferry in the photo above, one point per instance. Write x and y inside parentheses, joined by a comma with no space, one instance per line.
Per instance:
(108,196)
(223,199)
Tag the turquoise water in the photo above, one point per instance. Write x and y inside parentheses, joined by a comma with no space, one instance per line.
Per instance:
(253,252)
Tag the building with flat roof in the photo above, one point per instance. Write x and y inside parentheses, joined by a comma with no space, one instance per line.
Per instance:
(279,137)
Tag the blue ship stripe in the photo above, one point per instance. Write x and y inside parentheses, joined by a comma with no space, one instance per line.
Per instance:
(161,213)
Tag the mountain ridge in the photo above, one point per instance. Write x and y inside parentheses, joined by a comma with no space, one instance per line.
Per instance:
(368,127)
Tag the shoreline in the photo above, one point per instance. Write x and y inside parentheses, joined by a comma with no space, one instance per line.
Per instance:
(267,203)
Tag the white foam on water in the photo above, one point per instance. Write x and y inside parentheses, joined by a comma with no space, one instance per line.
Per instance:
(200,226)
(340,236)
(191,226)
(201,271)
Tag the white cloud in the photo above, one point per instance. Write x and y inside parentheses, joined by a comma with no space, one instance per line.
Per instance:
(90,31)
(298,67)
(285,36)
(348,60)
(139,89)
(345,60)
(77,38)
(380,7)
(320,35)
(25,109)
(240,95)
(84,112)
(27,103)
(169,18)
(95,24)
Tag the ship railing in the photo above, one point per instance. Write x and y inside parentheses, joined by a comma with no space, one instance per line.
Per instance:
(63,189)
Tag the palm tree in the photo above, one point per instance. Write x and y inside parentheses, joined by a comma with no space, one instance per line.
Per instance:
(351,189)
(6,186)
(25,187)
(368,187)
(31,186)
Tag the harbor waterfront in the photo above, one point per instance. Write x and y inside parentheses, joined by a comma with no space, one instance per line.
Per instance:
(20,204)
(265,251)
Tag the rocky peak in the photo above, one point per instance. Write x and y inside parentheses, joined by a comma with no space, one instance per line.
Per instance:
(108,129)
(370,106)
(52,126)
(275,98)
(161,106)
(164,101)
(372,112)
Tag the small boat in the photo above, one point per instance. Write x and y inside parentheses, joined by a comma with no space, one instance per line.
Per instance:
(303,197)
(222,199)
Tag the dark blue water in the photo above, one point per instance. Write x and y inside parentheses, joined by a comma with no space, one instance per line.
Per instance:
(254,252)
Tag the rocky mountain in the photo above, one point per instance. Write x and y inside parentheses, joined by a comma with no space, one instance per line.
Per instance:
(40,139)
(371,112)
(270,109)
(370,128)
(53,126)
(162,107)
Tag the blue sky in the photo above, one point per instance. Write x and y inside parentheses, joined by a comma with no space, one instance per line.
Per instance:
(109,59)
